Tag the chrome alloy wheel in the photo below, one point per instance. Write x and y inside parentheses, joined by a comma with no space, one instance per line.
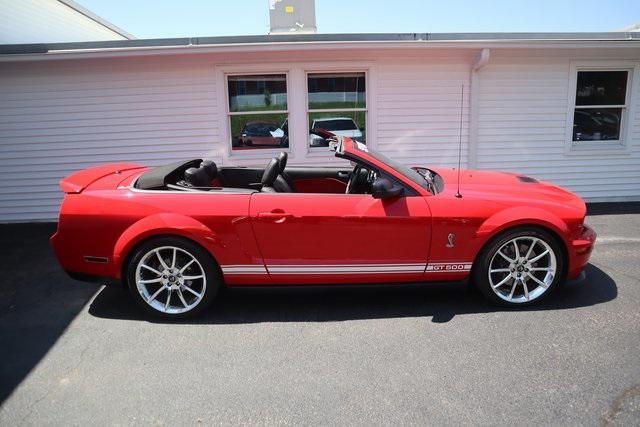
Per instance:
(170,280)
(522,269)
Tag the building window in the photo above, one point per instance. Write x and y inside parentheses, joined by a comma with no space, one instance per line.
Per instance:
(258,111)
(601,104)
(336,102)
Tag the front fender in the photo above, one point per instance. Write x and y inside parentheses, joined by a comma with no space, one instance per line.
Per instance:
(162,224)
(521,215)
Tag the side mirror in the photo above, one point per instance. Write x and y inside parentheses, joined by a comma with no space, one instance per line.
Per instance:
(382,188)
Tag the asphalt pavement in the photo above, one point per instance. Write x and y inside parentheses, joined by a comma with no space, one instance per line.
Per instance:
(76,354)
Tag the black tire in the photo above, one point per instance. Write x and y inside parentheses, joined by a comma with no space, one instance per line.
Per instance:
(211,283)
(481,266)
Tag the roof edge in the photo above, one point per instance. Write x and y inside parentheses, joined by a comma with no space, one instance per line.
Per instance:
(25,49)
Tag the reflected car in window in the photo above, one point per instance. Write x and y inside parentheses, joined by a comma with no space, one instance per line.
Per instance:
(339,126)
(260,133)
(596,124)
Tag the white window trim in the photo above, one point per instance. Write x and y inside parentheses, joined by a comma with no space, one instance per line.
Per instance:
(296,105)
(223,72)
(315,150)
(621,146)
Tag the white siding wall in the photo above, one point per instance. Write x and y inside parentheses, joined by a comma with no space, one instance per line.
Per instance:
(56,119)
(48,21)
(418,109)
(522,124)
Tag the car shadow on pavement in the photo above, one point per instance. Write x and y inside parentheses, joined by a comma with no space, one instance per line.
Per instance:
(38,300)
(440,302)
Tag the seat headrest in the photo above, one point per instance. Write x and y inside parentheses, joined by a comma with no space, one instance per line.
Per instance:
(197,177)
(201,176)
(210,168)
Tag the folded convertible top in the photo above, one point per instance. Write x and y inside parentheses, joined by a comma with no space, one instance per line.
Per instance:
(158,178)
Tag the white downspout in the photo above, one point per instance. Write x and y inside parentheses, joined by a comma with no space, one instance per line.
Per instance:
(474,99)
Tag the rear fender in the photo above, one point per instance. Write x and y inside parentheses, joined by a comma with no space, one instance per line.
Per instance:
(162,224)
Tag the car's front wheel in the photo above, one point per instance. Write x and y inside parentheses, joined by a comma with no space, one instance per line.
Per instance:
(172,277)
(520,267)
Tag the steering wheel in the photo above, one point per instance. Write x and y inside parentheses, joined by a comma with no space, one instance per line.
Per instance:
(360,180)
(352,179)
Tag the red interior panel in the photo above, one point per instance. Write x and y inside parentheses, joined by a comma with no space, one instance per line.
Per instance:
(319,185)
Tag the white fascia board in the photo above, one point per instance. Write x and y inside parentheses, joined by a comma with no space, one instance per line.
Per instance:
(302,46)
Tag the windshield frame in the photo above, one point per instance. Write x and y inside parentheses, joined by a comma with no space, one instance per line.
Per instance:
(348,147)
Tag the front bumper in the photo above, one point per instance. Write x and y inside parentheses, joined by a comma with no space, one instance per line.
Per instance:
(580,251)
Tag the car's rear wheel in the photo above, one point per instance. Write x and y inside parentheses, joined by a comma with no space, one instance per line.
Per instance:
(520,267)
(172,277)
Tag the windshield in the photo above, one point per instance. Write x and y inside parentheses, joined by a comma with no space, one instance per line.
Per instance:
(335,124)
(424,180)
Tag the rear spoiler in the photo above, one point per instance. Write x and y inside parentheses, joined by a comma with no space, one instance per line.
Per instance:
(78,181)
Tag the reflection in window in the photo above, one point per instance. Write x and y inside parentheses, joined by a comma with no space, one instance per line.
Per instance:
(599,105)
(336,104)
(597,124)
(342,123)
(258,131)
(336,91)
(258,111)
(601,87)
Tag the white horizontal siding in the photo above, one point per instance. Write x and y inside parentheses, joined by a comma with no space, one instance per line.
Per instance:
(63,117)
(58,117)
(418,110)
(522,125)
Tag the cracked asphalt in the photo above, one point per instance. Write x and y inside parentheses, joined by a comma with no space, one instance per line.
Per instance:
(75,353)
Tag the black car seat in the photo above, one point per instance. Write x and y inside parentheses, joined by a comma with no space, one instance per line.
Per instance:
(269,176)
(201,176)
(282,184)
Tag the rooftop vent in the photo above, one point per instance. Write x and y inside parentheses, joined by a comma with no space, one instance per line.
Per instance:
(292,16)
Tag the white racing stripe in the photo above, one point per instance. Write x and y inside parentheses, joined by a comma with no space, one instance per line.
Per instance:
(324,268)
(346,268)
(244,269)
(439,267)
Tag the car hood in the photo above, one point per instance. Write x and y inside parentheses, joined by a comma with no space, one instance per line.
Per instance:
(508,187)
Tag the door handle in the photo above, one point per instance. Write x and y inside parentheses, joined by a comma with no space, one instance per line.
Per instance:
(343,174)
(278,216)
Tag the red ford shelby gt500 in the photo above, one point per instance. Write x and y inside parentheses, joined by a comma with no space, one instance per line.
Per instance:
(175,234)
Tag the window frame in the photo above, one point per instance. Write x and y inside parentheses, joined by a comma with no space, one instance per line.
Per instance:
(258,152)
(619,146)
(310,151)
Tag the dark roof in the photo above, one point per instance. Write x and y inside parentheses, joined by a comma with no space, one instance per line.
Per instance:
(306,38)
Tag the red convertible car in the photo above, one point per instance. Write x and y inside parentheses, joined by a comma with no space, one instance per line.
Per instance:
(176,234)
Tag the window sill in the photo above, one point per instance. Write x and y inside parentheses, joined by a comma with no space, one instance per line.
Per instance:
(595,148)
